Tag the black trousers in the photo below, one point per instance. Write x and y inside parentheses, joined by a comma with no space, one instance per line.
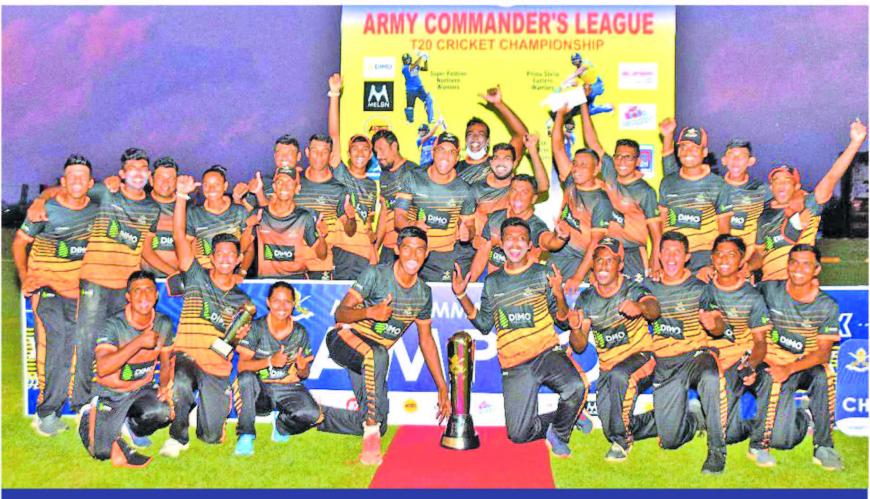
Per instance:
(616,398)
(101,427)
(213,404)
(297,409)
(785,426)
(55,341)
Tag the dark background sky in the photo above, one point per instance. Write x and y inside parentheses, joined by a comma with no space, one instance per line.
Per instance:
(219,84)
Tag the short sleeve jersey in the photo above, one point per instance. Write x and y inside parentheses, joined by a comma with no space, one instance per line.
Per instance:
(745,202)
(283,240)
(409,304)
(744,312)
(391,184)
(616,337)
(364,194)
(203,225)
(778,236)
(630,227)
(327,199)
(679,330)
(797,327)
(264,345)
(59,245)
(492,232)
(692,207)
(438,205)
(522,309)
(117,235)
(139,369)
(473,173)
(585,211)
(205,315)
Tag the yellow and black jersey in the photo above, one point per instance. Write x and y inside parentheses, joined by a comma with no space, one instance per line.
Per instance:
(631,229)
(745,202)
(679,329)
(584,211)
(59,245)
(138,371)
(522,309)
(391,184)
(282,241)
(261,341)
(797,327)
(163,242)
(744,311)
(472,173)
(364,195)
(116,238)
(778,236)
(492,233)
(203,225)
(437,205)
(692,206)
(326,199)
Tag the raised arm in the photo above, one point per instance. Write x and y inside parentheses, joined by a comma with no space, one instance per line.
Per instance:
(183,250)
(334,116)
(530,141)
(590,136)
(515,125)
(563,162)
(825,188)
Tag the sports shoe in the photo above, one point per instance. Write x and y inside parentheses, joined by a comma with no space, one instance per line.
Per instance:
(137,441)
(828,458)
(616,454)
(762,457)
(277,436)
(696,413)
(557,446)
(172,448)
(49,426)
(583,423)
(127,457)
(803,404)
(715,462)
(245,445)
(371,447)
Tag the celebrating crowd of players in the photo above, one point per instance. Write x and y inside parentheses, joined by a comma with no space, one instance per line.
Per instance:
(709,284)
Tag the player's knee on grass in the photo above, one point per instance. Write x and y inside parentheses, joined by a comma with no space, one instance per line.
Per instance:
(153,417)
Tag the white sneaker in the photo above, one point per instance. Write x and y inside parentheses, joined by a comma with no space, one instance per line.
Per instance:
(172,448)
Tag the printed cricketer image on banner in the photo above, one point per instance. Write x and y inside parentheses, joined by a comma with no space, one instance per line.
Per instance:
(412,392)
(404,67)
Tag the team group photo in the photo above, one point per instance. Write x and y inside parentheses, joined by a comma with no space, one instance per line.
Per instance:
(435,247)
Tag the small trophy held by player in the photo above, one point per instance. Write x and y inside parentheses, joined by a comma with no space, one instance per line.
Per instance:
(460,434)
(243,316)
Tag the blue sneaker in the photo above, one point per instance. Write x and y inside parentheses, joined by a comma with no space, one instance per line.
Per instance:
(557,446)
(137,441)
(245,445)
(277,436)
(583,423)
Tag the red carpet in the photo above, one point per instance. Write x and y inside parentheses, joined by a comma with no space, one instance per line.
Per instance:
(416,459)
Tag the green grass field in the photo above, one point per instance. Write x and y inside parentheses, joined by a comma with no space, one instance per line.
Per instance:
(316,459)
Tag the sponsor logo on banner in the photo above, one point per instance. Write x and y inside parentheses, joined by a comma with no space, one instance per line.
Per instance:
(851,413)
(646,160)
(638,76)
(637,117)
(378,96)
(377,68)
(410,406)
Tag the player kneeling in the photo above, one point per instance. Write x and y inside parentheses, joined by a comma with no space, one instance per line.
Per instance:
(274,358)
(127,350)
(523,301)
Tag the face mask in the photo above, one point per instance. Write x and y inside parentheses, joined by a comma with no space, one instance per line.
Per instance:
(475,156)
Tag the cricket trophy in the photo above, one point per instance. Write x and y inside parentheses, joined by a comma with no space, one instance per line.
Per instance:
(243,316)
(460,434)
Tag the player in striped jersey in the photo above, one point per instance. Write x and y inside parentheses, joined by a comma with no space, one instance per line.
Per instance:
(321,192)
(211,298)
(129,345)
(394,168)
(742,345)
(636,219)
(520,203)
(779,228)
(374,314)
(690,198)
(217,215)
(805,327)
(475,166)
(444,207)
(524,303)
(163,193)
(585,207)
(683,359)
(614,311)
(274,358)
(288,236)
(50,277)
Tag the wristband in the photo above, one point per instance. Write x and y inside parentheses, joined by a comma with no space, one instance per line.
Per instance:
(333,94)
(566,239)
(182,196)
(461,296)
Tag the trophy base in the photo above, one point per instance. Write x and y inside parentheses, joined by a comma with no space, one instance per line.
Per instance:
(460,434)
(222,348)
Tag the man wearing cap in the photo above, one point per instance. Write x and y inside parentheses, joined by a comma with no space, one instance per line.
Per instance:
(256,192)
(394,168)
(683,360)
(779,228)
(475,165)
(443,206)
(690,198)
(614,312)
(636,219)
(288,236)
(524,301)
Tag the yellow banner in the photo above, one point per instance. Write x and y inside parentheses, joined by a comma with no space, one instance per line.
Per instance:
(627,56)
